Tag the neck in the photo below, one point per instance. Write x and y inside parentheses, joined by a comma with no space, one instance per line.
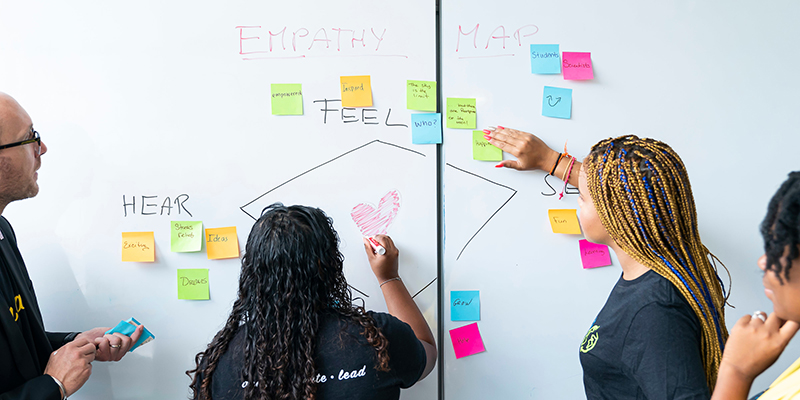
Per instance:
(631,269)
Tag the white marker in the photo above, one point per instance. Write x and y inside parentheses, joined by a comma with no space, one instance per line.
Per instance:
(376,245)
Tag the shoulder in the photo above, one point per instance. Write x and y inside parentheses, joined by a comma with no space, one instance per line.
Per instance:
(390,326)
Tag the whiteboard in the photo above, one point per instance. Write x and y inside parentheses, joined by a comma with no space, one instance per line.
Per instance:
(158,100)
(712,79)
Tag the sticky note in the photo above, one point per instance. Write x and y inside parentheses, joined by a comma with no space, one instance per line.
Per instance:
(426,128)
(222,243)
(128,327)
(356,91)
(564,221)
(287,99)
(421,95)
(545,59)
(186,236)
(465,305)
(482,150)
(557,102)
(138,247)
(577,66)
(467,340)
(193,284)
(594,255)
(461,113)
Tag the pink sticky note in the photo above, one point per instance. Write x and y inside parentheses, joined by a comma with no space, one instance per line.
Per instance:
(467,340)
(577,66)
(594,255)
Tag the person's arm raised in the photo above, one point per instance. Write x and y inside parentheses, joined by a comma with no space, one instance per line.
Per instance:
(398,300)
(531,152)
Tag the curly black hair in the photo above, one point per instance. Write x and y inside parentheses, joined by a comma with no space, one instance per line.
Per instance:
(292,273)
(781,227)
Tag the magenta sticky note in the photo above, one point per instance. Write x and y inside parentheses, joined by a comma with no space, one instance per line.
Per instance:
(577,66)
(467,340)
(594,255)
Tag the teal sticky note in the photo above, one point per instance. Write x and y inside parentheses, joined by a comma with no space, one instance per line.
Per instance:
(426,128)
(557,102)
(545,59)
(128,327)
(465,305)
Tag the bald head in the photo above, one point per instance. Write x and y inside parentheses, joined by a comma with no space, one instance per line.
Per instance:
(13,119)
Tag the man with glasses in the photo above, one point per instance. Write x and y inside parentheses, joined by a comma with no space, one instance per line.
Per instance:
(35,364)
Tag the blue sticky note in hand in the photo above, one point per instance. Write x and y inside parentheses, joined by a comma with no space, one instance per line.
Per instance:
(426,128)
(465,305)
(545,59)
(128,327)
(557,102)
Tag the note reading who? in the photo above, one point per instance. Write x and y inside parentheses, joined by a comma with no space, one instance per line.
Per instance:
(138,247)
(594,255)
(426,128)
(577,66)
(186,236)
(545,59)
(287,98)
(222,243)
(564,221)
(421,95)
(465,305)
(557,102)
(482,150)
(461,113)
(467,340)
(356,91)
(193,284)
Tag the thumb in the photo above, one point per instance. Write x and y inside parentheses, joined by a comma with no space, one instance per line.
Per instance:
(368,248)
(513,164)
(789,329)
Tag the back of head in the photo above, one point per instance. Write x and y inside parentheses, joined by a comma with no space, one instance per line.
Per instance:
(642,194)
(781,227)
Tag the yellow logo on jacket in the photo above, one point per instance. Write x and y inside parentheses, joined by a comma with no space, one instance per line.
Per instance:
(590,340)
(18,304)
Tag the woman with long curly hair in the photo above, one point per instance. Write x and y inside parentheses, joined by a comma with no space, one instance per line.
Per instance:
(294,332)
(661,332)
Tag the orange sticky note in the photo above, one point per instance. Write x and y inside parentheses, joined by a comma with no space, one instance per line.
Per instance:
(564,221)
(356,91)
(138,247)
(222,243)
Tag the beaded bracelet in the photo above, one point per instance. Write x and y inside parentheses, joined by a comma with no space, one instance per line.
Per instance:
(569,172)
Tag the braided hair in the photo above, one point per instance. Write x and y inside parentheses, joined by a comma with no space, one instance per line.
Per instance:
(292,273)
(781,227)
(644,200)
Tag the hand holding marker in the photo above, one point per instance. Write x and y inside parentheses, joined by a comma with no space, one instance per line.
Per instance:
(376,246)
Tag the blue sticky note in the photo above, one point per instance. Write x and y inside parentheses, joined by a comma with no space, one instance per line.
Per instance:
(426,128)
(465,305)
(127,327)
(545,59)
(557,102)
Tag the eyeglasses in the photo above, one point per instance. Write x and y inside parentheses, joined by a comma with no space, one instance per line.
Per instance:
(36,139)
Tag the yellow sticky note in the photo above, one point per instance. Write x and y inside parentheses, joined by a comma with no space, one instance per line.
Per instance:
(222,243)
(564,221)
(356,91)
(138,247)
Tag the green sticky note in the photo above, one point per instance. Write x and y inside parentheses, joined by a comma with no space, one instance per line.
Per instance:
(186,236)
(482,150)
(287,99)
(193,284)
(421,95)
(461,113)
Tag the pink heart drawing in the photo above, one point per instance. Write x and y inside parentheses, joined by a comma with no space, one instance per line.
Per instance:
(372,221)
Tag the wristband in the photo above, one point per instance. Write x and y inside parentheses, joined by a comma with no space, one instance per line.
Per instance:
(61,387)
(389,280)
(553,170)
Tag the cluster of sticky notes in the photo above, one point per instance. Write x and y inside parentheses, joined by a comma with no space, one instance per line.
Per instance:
(185,236)
(467,340)
(546,59)
(564,221)
(594,255)
(128,327)
(193,284)
(461,113)
(287,98)
(465,305)
(482,150)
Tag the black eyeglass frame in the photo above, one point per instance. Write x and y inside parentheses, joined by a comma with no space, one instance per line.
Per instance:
(36,139)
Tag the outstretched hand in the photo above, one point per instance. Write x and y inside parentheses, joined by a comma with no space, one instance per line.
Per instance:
(530,151)
(111,347)
(383,266)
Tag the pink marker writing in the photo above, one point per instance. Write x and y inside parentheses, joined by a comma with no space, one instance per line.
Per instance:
(376,245)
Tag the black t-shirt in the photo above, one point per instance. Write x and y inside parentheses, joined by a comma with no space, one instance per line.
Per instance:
(345,362)
(644,344)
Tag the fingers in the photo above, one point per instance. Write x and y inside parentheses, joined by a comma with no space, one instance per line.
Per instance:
(788,330)
(368,248)
(513,164)
(135,336)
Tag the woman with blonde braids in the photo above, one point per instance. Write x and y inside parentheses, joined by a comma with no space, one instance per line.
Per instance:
(661,332)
